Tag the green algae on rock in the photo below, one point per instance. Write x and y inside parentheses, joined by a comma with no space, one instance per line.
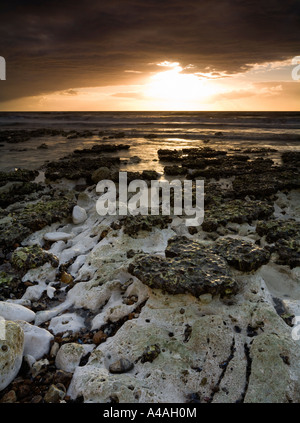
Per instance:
(264,184)
(286,236)
(5,278)
(236,211)
(169,155)
(37,216)
(18,191)
(15,227)
(188,267)
(31,257)
(11,285)
(243,255)
(133,224)
(278,229)
(78,167)
(288,252)
(21,175)
(12,232)
(175,170)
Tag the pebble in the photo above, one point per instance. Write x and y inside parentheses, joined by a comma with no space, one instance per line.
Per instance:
(79,215)
(121,366)
(57,236)
(29,360)
(54,394)
(66,278)
(205,298)
(99,337)
(13,311)
(54,349)
(9,397)
(62,377)
(39,366)
(69,356)
(36,399)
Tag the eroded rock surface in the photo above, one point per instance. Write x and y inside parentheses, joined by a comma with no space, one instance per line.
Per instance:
(188,267)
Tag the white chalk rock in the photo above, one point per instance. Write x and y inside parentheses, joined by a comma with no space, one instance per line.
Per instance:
(66,322)
(79,215)
(21,301)
(69,356)
(57,236)
(36,340)
(11,351)
(13,311)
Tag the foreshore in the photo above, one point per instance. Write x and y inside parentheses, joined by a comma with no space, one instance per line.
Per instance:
(144,309)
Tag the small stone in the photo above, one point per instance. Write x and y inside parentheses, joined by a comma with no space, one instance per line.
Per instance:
(66,278)
(28,360)
(39,367)
(54,394)
(205,298)
(63,378)
(69,356)
(104,234)
(79,215)
(9,397)
(132,299)
(32,257)
(54,349)
(57,236)
(99,337)
(121,366)
(36,399)
(24,391)
(150,353)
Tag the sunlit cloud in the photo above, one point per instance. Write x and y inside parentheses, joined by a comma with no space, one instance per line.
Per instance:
(168,64)
(213,75)
(132,71)
(69,92)
(268,66)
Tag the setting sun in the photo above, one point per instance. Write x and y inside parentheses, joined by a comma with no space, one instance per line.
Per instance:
(174,85)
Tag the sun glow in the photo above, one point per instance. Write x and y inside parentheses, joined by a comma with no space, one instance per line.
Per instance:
(173,86)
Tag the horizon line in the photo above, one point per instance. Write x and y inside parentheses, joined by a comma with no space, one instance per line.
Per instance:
(150,111)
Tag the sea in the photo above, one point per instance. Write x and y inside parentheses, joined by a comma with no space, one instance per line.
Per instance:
(146,132)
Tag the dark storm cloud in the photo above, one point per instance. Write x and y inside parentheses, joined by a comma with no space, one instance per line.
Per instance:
(59,45)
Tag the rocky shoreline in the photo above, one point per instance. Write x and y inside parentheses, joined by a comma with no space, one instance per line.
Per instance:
(146,309)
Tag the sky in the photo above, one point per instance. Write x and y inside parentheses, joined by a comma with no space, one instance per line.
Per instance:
(150,55)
